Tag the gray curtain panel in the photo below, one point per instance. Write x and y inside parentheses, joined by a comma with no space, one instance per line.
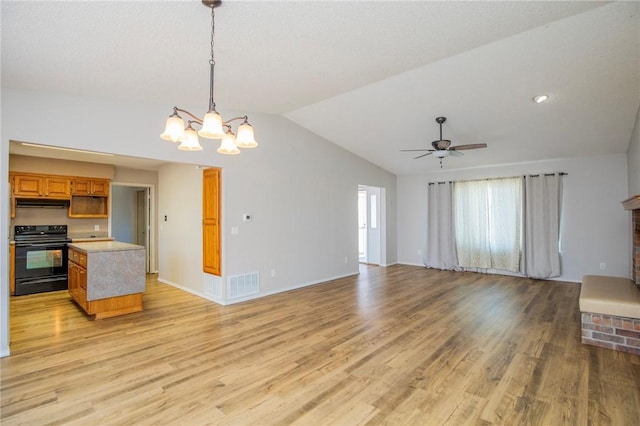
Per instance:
(440,250)
(543,201)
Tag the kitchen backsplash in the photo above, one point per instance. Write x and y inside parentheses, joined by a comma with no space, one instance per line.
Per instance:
(76,228)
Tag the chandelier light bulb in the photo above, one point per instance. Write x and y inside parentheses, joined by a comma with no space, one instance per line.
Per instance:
(228,144)
(245,138)
(190,140)
(174,128)
(212,126)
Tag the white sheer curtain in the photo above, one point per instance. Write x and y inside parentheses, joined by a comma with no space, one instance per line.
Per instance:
(488,223)
(440,250)
(542,225)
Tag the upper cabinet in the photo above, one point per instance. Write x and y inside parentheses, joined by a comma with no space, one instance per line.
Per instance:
(38,186)
(89,197)
(92,187)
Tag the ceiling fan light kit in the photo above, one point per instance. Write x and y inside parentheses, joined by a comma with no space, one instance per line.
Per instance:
(212,126)
(442,147)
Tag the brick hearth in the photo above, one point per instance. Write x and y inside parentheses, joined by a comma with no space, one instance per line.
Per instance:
(611,332)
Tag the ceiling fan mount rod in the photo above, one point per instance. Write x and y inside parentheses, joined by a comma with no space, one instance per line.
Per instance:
(441,120)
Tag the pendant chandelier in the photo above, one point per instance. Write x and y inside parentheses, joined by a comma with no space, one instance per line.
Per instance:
(211,126)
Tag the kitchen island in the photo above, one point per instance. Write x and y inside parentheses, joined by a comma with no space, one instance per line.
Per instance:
(107,278)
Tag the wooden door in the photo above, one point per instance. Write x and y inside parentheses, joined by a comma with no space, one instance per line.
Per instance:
(211,258)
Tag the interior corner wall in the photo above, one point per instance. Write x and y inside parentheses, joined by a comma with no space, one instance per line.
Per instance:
(633,159)
(302,196)
(594,226)
(180,226)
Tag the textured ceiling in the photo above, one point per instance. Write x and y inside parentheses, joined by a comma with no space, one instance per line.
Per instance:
(368,76)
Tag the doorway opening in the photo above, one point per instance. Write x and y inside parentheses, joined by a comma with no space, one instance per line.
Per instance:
(131,218)
(371,225)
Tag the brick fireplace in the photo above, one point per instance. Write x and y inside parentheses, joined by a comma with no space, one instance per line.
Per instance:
(610,306)
(633,204)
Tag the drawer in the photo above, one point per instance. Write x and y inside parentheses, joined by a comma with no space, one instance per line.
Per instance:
(82,259)
(73,256)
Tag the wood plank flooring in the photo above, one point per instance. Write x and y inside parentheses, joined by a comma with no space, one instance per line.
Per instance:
(400,345)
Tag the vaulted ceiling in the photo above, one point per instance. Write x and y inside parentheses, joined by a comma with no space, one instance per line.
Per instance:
(370,76)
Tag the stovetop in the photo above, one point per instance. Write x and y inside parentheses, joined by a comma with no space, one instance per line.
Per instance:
(40,233)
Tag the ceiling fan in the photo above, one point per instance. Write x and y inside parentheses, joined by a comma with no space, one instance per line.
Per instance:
(442,147)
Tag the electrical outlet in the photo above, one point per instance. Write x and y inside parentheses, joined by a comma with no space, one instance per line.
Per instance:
(603,266)
(419,252)
(234,230)
(346,259)
(96,227)
(273,273)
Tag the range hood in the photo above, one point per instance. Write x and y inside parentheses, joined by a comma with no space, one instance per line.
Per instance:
(42,203)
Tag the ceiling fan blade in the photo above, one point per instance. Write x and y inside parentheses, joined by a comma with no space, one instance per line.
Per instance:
(423,155)
(455,153)
(469,146)
(410,150)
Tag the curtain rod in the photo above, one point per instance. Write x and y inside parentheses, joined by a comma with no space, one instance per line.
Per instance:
(510,177)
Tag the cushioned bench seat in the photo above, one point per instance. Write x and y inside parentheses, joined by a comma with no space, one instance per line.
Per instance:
(610,308)
(610,296)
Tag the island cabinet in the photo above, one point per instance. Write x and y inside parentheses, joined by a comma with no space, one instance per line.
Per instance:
(107,278)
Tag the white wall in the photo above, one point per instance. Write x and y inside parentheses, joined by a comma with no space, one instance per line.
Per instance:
(633,159)
(595,227)
(301,189)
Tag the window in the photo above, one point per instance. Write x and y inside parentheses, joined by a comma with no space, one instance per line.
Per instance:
(488,223)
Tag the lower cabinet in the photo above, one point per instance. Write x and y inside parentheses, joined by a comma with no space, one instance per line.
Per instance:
(77,272)
(99,308)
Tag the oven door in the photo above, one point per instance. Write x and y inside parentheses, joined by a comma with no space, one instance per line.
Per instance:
(35,260)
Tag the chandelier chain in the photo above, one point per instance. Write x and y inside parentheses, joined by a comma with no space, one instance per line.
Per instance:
(213,32)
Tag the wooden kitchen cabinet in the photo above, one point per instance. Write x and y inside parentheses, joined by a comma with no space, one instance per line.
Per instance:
(12,268)
(89,198)
(93,187)
(41,186)
(12,201)
(112,289)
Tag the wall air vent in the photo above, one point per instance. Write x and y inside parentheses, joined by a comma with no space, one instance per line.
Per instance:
(243,285)
(212,286)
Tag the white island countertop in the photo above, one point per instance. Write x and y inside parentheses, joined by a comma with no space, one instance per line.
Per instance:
(95,246)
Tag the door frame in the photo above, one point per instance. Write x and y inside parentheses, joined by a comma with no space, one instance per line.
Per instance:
(151,225)
(377,239)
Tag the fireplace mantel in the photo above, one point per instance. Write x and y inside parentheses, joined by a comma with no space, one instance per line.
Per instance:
(632,203)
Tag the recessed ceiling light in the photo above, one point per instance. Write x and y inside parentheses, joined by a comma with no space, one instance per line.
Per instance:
(540,98)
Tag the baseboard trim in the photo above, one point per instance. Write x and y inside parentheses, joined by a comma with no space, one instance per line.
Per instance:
(192,291)
(255,296)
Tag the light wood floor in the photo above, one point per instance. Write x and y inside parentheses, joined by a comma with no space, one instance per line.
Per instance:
(398,345)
